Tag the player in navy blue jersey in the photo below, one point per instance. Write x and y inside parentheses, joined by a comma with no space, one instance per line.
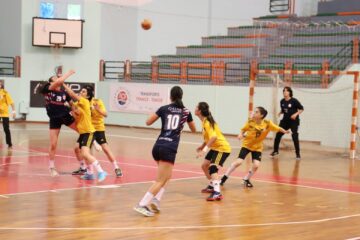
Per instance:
(56,104)
(173,118)
(291,108)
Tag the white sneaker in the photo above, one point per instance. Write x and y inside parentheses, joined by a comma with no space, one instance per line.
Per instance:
(155,205)
(53,172)
(144,211)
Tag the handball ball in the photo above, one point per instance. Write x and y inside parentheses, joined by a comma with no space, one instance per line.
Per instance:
(146,24)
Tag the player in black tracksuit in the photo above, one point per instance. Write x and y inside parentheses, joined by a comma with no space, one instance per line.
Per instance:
(291,108)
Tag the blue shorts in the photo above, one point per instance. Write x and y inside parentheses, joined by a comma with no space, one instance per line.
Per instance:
(161,153)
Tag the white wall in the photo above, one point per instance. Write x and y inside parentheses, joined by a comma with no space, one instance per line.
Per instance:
(10,28)
(118,32)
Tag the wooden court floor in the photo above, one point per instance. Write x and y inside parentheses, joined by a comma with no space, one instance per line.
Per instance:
(315,198)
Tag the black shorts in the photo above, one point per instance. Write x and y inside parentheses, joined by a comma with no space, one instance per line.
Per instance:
(254,154)
(164,154)
(56,122)
(86,140)
(216,157)
(99,137)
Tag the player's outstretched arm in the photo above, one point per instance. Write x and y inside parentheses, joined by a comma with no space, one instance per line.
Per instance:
(60,81)
(72,94)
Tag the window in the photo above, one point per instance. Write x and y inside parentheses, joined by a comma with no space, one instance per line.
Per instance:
(47,10)
(74,11)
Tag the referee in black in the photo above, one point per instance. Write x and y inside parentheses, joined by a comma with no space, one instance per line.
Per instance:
(291,108)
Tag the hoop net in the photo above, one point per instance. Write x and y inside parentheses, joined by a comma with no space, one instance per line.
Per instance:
(56,51)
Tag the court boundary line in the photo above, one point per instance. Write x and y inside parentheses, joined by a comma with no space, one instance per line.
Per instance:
(201,173)
(323,220)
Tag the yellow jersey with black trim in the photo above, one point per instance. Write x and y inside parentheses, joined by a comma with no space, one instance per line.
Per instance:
(255,133)
(5,101)
(83,118)
(221,144)
(96,118)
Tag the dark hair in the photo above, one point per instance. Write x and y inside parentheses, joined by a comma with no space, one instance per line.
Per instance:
(41,87)
(90,91)
(176,94)
(51,79)
(263,112)
(289,90)
(204,110)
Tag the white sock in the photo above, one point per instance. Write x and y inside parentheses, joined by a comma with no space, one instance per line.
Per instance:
(90,169)
(216,185)
(160,194)
(249,175)
(146,199)
(97,166)
(51,163)
(115,164)
(82,164)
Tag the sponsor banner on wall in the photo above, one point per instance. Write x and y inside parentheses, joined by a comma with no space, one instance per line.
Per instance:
(137,97)
(37,99)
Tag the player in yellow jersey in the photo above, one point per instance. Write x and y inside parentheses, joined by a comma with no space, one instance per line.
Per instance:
(82,113)
(5,102)
(252,135)
(98,113)
(219,150)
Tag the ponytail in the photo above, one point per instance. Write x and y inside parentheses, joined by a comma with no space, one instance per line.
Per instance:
(176,94)
(204,110)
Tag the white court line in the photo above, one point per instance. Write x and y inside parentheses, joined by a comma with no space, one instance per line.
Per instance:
(355,238)
(257,180)
(10,163)
(120,136)
(94,186)
(192,226)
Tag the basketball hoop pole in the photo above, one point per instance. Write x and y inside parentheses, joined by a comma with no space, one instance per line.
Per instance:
(254,71)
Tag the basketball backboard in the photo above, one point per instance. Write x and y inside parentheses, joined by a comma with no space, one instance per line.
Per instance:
(48,32)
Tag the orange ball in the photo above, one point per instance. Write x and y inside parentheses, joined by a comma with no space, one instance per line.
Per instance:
(146,24)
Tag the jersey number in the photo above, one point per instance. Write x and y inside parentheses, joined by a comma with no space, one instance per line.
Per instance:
(172,122)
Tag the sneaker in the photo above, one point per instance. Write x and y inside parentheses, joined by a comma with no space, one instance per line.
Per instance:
(247,183)
(118,172)
(80,171)
(88,176)
(223,180)
(155,205)
(298,157)
(144,211)
(53,172)
(101,176)
(274,154)
(215,196)
(208,189)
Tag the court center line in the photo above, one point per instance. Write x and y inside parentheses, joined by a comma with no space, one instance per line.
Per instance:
(192,226)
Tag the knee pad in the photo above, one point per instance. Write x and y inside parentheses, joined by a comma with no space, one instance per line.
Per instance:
(213,169)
